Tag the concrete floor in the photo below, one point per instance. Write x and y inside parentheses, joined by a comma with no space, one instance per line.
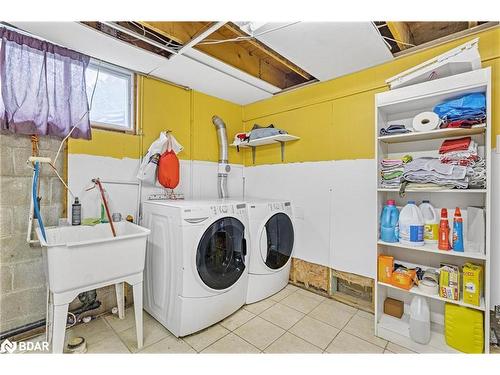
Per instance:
(291,321)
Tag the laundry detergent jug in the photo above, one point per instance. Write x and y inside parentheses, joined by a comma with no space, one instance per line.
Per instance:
(420,320)
(431,222)
(411,225)
(389,229)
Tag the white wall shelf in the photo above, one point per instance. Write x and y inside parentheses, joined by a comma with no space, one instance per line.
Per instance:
(274,139)
(432,248)
(433,134)
(432,190)
(415,290)
(398,331)
(400,106)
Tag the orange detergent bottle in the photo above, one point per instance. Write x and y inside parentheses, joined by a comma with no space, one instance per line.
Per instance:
(444,231)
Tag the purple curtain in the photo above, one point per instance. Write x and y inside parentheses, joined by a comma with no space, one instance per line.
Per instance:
(43,88)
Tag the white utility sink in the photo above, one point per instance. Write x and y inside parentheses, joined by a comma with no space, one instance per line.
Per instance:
(78,256)
(81,258)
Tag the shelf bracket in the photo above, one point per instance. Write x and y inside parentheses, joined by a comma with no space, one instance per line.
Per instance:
(282,151)
(253,154)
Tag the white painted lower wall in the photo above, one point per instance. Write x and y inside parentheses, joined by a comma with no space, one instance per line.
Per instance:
(333,202)
(198,181)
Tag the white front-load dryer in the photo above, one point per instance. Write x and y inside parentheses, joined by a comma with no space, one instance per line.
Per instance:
(196,271)
(272,238)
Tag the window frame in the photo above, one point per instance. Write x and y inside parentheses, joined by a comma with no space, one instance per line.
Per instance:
(131,77)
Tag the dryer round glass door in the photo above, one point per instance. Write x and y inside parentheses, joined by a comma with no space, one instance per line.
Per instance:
(220,259)
(276,242)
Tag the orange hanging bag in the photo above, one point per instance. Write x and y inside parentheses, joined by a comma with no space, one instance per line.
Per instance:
(168,168)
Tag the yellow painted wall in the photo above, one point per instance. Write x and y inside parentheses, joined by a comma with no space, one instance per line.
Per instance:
(107,143)
(204,136)
(187,113)
(165,107)
(346,130)
(312,123)
(334,119)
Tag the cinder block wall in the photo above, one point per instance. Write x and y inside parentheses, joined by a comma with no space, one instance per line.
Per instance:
(22,279)
(22,288)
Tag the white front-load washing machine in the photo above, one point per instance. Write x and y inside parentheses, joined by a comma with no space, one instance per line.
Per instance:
(271,247)
(196,271)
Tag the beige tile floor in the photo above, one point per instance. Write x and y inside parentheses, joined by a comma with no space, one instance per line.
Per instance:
(292,321)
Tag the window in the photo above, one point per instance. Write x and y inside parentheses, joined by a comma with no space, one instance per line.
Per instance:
(113,102)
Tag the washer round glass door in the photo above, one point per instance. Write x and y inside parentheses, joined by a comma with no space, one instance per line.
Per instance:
(277,243)
(220,258)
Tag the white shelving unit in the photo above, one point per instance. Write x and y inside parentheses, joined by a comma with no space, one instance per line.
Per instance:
(400,106)
(274,139)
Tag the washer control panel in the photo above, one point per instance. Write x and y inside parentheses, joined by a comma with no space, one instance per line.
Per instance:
(228,209)
(278,206)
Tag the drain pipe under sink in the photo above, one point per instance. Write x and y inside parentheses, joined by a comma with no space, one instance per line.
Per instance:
(224,167)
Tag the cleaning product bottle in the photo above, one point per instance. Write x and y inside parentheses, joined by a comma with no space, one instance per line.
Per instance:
(420,320)
(431,223)
(389,230)
(444,231)
(411,225)
(104,217)
(458,231)
(76,212)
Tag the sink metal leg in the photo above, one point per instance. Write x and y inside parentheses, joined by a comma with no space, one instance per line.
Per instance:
(60,317)
(137,289)
(120,299)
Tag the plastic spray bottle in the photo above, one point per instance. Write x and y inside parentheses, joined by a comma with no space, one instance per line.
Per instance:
(458,231)
(444,231)
(102,209)
(76,212)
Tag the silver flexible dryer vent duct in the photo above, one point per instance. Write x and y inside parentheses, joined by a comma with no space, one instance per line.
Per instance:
(224,167)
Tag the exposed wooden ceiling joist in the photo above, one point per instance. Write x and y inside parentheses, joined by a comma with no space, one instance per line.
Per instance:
(402,34)
(424,32)
(268,51)
(248,55)
(418,33)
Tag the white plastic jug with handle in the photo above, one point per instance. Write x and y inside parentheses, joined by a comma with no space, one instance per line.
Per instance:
(420,320)
(411,225)
(431,222)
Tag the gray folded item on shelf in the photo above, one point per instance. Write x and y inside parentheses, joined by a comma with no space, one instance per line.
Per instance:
(394,129)
(431,170)
(390,184)
(432,165)
(477,175)
(262,132)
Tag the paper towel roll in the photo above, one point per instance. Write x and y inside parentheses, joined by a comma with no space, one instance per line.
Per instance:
(425,121)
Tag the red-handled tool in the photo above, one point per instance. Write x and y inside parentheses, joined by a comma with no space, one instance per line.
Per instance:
(98,183)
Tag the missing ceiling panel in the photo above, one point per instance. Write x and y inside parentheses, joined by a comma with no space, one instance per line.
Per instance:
(145,39)
(383,28)
(236,48)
